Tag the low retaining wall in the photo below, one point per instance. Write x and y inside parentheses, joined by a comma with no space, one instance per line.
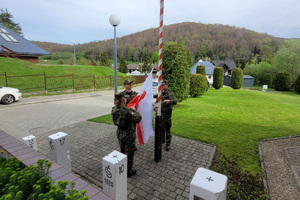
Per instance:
(11,147)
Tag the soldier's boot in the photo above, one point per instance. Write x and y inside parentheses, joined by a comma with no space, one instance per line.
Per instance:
(131,173)
(168,147)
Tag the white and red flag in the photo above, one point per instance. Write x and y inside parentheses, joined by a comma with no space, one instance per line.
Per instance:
(143,103)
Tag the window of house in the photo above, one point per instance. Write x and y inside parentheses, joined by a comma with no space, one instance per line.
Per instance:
(8,37)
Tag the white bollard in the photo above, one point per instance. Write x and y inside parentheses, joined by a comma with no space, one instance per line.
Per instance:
(59,149)
(265,87)
(30,141)
(208,185)
(114,173)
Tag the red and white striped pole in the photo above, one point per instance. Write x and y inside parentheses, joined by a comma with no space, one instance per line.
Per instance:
(159,72)
(158,119)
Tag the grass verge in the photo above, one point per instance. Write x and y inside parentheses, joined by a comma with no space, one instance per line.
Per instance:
(234,121)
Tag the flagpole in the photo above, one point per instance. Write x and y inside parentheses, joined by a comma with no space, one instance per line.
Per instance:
(158,118)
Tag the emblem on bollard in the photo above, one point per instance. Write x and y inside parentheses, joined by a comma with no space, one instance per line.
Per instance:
(107,171)
(209,179)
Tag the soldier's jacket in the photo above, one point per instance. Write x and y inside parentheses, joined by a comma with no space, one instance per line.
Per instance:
(129,95)
(166,109)
(126,120)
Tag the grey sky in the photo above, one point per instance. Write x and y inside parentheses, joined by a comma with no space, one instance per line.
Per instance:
(83,21)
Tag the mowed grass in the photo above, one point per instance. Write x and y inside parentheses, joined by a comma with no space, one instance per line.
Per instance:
(14,67)
(19,75)
(235,120)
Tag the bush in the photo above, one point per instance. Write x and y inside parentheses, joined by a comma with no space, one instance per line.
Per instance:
(198,85)
(237,78)
(297,84)
(176,70)
(218,79)
(201,70)
(283,81)
(18,182)
(268,80)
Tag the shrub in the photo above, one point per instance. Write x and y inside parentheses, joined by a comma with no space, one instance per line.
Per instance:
(201,70)
(176,70)
(283,81)
(18,182)
(198,85)
(237,78)
(268,80)
(218,79)
(297,84)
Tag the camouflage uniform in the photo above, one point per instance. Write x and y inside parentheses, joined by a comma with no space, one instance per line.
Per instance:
(129,95)
(166,113)
(126,120)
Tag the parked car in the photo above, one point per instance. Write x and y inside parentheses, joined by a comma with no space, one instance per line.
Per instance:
(155,88)
(9,95)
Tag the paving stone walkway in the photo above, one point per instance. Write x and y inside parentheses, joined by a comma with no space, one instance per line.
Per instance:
(168,179)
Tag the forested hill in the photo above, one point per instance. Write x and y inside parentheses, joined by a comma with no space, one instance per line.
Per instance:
(215,41)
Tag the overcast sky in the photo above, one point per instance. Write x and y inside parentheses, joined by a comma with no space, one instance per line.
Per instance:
(83,21)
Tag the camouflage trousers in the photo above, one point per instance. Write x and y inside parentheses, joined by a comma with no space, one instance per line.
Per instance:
(167,129)
(128,148)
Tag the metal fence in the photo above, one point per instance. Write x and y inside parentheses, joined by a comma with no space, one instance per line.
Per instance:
(41,83)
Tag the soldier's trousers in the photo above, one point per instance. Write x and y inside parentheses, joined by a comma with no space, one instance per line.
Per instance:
(128,149)
(167,129)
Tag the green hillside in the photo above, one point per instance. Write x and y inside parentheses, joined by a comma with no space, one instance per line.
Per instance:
(29,77)
(14,67)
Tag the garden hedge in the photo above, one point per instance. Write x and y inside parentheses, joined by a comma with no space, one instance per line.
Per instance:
(237,78)
(18,182)
(297,84)
(198,85)
(201,70)
(283,81)
(268,80)
(218,77)
(176,70)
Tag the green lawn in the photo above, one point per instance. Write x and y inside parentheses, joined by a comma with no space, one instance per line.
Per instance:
(235,120)
(15,67)
(15,70)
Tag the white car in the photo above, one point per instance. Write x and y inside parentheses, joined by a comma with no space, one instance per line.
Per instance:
(155,88)
(9,95)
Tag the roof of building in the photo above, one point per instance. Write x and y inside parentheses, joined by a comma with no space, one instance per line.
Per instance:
(230,63)
(209,67)
(244,76)
(18,44)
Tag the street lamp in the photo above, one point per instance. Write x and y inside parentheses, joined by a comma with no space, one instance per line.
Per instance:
(74,55)
(114,20)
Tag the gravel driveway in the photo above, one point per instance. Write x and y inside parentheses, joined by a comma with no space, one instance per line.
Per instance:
(279,178)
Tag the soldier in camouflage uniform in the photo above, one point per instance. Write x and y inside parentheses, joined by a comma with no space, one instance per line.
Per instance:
(126,120)
(168,100)
(128,92)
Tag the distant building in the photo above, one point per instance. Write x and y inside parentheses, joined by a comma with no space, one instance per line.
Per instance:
(133,67)
(248,81)
(14,45)
(209,70)
(228,65)
(137,67)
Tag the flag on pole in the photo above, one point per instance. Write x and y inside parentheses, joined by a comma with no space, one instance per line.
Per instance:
(143,103)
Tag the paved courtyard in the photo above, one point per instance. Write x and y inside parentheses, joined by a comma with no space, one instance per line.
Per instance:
(168,179)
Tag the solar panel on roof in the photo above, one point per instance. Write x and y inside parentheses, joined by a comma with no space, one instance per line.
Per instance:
(7,36)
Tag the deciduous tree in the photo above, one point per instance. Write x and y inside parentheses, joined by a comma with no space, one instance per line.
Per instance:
(6,19)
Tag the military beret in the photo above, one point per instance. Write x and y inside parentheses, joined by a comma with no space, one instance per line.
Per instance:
(119,96)
(127,81)
(165,82)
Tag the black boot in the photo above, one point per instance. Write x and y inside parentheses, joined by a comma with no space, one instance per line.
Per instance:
(168,147)
(131,173)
